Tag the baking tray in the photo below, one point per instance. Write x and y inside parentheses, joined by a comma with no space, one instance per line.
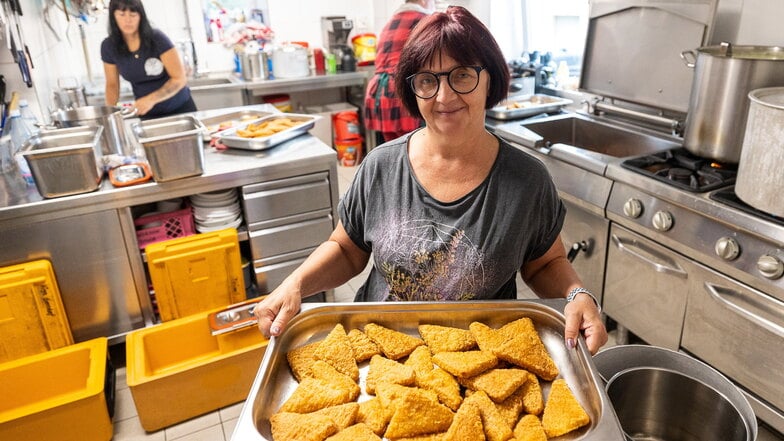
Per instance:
(229,137)
(231,119)
(530,105)
(274,382)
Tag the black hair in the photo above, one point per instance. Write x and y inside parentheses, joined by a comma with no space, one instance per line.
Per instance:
(145,28)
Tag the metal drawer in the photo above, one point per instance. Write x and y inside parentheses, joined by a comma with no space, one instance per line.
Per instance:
(271,272)
(286,197)
(646,287)
(280,239)
(739,331)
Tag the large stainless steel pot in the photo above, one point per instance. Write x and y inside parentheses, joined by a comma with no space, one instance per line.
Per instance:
(760,176)
(718,107)
(111,118)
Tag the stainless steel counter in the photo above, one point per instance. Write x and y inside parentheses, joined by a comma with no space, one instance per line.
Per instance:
(91,240)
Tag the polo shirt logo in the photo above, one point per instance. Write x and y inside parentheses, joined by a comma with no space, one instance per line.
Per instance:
(153,67)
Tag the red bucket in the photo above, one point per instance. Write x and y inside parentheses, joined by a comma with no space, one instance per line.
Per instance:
(346,126)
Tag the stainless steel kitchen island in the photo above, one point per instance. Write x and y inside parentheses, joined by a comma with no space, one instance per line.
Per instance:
(91,240)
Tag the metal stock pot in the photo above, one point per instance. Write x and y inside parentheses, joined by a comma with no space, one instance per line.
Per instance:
(718,104)
(111,118)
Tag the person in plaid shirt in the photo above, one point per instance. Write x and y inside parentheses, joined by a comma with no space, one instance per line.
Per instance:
(383,111)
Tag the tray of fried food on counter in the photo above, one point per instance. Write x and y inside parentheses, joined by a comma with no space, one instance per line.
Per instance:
(268,131)
(527,105)
(496,370)
(232,119)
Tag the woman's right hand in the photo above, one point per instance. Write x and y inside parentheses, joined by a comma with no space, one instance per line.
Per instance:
(276,310)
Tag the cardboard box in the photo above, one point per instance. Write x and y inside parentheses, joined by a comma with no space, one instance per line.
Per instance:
(56,395)
(181,360)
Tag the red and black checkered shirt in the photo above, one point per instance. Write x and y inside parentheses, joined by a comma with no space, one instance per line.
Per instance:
(384,112)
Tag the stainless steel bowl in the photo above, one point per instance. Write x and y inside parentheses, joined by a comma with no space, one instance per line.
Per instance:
(612,361)
(661,404)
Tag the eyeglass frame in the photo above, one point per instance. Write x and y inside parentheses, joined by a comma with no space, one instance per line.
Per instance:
(438,75)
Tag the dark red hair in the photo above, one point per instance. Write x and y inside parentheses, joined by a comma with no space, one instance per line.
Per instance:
(463,37)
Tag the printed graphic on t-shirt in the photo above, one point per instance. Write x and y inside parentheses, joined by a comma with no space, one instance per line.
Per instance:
(153,67)
(423,261)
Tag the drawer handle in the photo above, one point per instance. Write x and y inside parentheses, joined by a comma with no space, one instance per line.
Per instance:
(627,248)
(724,296)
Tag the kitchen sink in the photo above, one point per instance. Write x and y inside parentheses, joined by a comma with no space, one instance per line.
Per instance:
(209,82)
(589,134)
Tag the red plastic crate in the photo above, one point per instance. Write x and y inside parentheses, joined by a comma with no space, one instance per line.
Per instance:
(173,224)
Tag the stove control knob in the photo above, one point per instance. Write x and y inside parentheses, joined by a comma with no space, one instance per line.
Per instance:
(727,248)
(662,220)
(632,208)
(770,266)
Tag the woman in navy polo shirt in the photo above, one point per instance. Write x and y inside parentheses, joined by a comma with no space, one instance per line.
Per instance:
(147,59)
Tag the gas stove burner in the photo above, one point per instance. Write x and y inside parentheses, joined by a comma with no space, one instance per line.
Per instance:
(681,169)
(728,196)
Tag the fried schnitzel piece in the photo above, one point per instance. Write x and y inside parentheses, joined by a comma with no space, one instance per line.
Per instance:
(495,426)
(336,350)
(562,412)
(466,425)
(447,338)
(387,371)
(373,413)
(443,384)
(420,360)
(288,426)
(327,387)
(314,394)
(497,383)
(417,414)
(357,432)
(301,358)
(465,364)
(511,407)
(342,415)
(390,394)
(363,346)
(518,343)
(529,428)
(394,344)
(533,402)
(429,437)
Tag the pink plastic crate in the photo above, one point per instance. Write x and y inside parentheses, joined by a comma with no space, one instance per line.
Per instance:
(173,224)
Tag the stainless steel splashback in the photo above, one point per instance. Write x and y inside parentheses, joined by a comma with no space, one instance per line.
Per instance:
(633,47)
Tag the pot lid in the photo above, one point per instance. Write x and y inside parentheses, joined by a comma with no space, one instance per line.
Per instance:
(633,47)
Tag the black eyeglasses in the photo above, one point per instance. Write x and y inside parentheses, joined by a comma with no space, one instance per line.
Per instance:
(462,79)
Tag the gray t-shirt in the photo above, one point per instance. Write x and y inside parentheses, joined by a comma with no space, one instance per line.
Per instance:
(469,249)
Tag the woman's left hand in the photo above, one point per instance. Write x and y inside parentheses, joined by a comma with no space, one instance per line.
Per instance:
(583,315)
(144,105)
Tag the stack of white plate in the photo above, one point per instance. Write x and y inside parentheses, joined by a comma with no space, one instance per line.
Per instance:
(216,210)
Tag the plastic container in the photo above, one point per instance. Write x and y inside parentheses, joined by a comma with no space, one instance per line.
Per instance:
(197,273)
(346,125)
(182,359)
(159,227)
(57,395)
(364,48)
(349,151)
(19,131)
(281,102)
(32,315)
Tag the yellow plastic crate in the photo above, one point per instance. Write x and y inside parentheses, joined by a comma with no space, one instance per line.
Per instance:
(196,273)
(32,316)
(182,360)
(56,395)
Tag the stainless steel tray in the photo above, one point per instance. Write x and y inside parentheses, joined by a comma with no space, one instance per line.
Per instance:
(229,137)
(527,106)
(274,382)
(232,118)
